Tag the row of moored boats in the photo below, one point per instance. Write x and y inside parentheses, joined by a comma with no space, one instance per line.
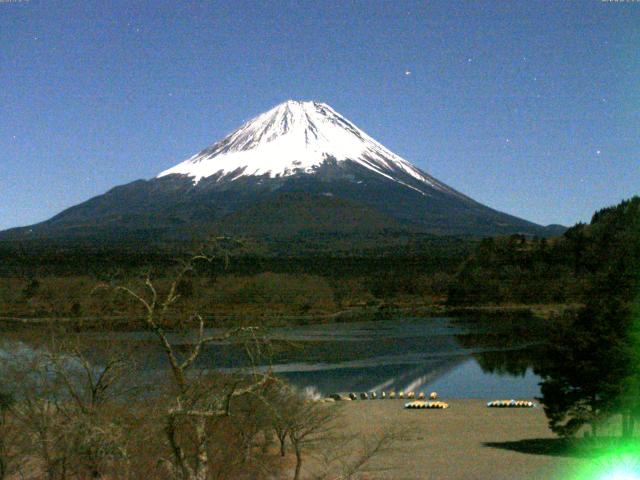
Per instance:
(385,395)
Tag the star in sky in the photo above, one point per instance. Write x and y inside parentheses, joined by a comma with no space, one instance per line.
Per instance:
(407,72)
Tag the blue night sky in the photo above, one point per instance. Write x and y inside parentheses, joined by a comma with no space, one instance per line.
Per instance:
(531,107)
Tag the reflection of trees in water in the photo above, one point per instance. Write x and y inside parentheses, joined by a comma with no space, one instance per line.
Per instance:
(509,362)
(405,355)
(508,352)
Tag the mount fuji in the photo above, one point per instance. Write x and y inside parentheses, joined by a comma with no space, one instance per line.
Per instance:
(297,138)
(299,169)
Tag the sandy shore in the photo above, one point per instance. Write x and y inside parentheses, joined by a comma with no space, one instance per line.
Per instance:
(466,441)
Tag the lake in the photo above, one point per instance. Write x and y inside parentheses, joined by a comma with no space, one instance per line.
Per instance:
(457,358)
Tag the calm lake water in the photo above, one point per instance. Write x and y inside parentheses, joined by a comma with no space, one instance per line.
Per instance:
(457,358)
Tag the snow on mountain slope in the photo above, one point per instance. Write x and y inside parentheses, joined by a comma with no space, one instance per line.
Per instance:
(297,137)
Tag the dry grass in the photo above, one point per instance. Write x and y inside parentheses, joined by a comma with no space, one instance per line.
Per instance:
(466,441)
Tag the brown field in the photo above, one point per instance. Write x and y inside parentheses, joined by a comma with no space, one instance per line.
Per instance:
(466,441)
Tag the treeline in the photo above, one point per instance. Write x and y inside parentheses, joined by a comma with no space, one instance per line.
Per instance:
(292,276)
(266,294)
(591,369)
(60,280)
(292,256)
(517,270)
(521,270)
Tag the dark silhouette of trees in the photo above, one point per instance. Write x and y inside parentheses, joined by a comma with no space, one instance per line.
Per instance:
(591,369)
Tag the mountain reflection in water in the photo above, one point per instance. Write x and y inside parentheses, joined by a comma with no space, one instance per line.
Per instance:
(457,358)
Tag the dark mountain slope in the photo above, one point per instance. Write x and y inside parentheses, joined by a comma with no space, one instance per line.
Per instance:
(300,168)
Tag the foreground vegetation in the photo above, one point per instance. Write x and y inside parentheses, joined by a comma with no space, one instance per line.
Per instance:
(76,407)
(73,408)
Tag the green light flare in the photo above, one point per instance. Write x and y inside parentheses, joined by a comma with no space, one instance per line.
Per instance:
(620,460)
(616,466)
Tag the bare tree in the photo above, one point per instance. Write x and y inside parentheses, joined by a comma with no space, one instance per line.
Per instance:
(369,449)
(6,402)
(64,404)
(194,406)
(37,412)
(304,422)
(279,400)
(97,447)
(317,433)
(347,455)
(311,423)
(91,389)
(74,412)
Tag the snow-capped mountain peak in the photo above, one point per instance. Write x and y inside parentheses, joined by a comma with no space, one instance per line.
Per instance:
(297,137)
(299,172)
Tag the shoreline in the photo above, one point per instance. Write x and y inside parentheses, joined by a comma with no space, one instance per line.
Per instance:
(356,314)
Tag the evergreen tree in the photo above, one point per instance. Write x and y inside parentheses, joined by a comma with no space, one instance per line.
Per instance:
(592,366)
